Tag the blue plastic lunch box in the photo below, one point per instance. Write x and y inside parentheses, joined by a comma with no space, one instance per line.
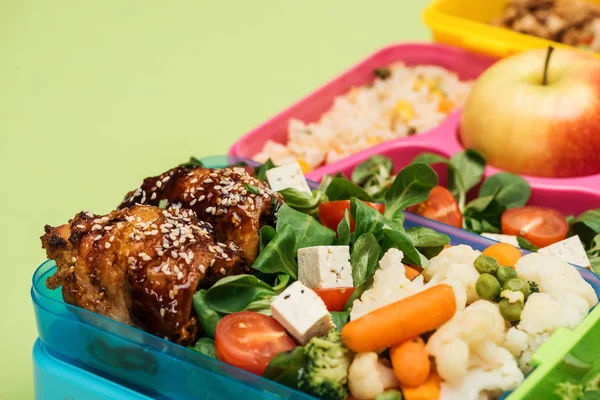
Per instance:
(82,355)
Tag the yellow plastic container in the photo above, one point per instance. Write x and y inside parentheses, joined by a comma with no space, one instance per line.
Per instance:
(466,24)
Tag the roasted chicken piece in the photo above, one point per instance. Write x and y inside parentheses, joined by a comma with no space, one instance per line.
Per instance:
(140,266)
(233,202)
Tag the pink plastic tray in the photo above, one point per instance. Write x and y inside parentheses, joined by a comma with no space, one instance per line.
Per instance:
(466,64)
(569,195)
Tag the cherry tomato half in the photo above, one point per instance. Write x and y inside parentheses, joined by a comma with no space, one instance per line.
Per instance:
(335,299)
(249,340)
(440,206)
(542,226)
(331,213)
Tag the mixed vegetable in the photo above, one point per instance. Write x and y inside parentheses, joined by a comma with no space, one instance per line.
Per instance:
(343,301)
(499,210)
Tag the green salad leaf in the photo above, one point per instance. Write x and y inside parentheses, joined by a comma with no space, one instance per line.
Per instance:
(260,172)
(205,346)
(281,282)
(343,229)
(207,316)
(340,318)
(466,174)
(308,231)
(193,162)
(375,166)
(512,190)
(587,226)
(426,237)
(262,306)
(401,241)
(411,186)
(234,293)
(301,201)
(343,189)
(364,258)
(526,244)
(285,367)
(374,176)
(279,254)
(266,233)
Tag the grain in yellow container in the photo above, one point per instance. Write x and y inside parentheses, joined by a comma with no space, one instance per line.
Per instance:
(466,24)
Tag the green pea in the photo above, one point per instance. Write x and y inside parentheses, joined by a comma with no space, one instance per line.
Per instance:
(510,311)
(517,285)
(486,264)
(391,394)
(504,273)
(488,287)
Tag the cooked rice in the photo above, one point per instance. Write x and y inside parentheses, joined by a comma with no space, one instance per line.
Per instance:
(411,100)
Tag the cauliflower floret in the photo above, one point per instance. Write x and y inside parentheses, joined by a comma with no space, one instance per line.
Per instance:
(390,284)
(481,384)
(367,376)
(564,300)
(556,277)
(470,344)
(455,263)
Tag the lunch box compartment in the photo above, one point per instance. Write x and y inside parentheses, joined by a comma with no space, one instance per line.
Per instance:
(309,109)
(76,345)
(571,196)
(465,23)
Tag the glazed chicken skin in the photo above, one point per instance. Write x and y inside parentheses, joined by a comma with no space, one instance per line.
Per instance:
(140,266)
(233,202)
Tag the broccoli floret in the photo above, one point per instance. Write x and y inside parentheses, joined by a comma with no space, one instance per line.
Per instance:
(533,287)
(325,373)
(568,391)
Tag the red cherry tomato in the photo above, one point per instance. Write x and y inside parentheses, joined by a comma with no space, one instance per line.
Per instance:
(331,213)
(336,298)
(440,206)
(249,340)
(542,226)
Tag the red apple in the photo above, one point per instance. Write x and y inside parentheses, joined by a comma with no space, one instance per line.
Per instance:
(527,126)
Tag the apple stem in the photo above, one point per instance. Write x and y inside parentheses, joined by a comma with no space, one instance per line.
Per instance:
(548,54)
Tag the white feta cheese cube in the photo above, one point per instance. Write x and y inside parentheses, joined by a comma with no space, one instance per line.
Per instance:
(325,267)
(301,312)
(570,250)
(510,239)
(286,177)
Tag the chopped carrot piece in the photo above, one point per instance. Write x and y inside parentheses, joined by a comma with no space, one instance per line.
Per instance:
(411,362)
(430,390)
(505,253)
(411,273)
(445,106)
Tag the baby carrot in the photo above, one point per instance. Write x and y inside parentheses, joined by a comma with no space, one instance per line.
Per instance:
(400,321)
(504,253)
(410,273)
(411,362)
(430,390)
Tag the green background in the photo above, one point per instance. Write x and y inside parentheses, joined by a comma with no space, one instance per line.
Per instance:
(97,95)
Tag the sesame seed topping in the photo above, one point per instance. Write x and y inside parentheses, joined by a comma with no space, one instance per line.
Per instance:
(174,254)
(222,271)
(159,184)
(96,227)
(89,214)
(97,238)
(74,259)
(209,209)
(193,202)
(201,198)
(145,256)
(153,197)
(80,226)
(208,180)
(162,312)
(194,180)
(107,245)
(201,268)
